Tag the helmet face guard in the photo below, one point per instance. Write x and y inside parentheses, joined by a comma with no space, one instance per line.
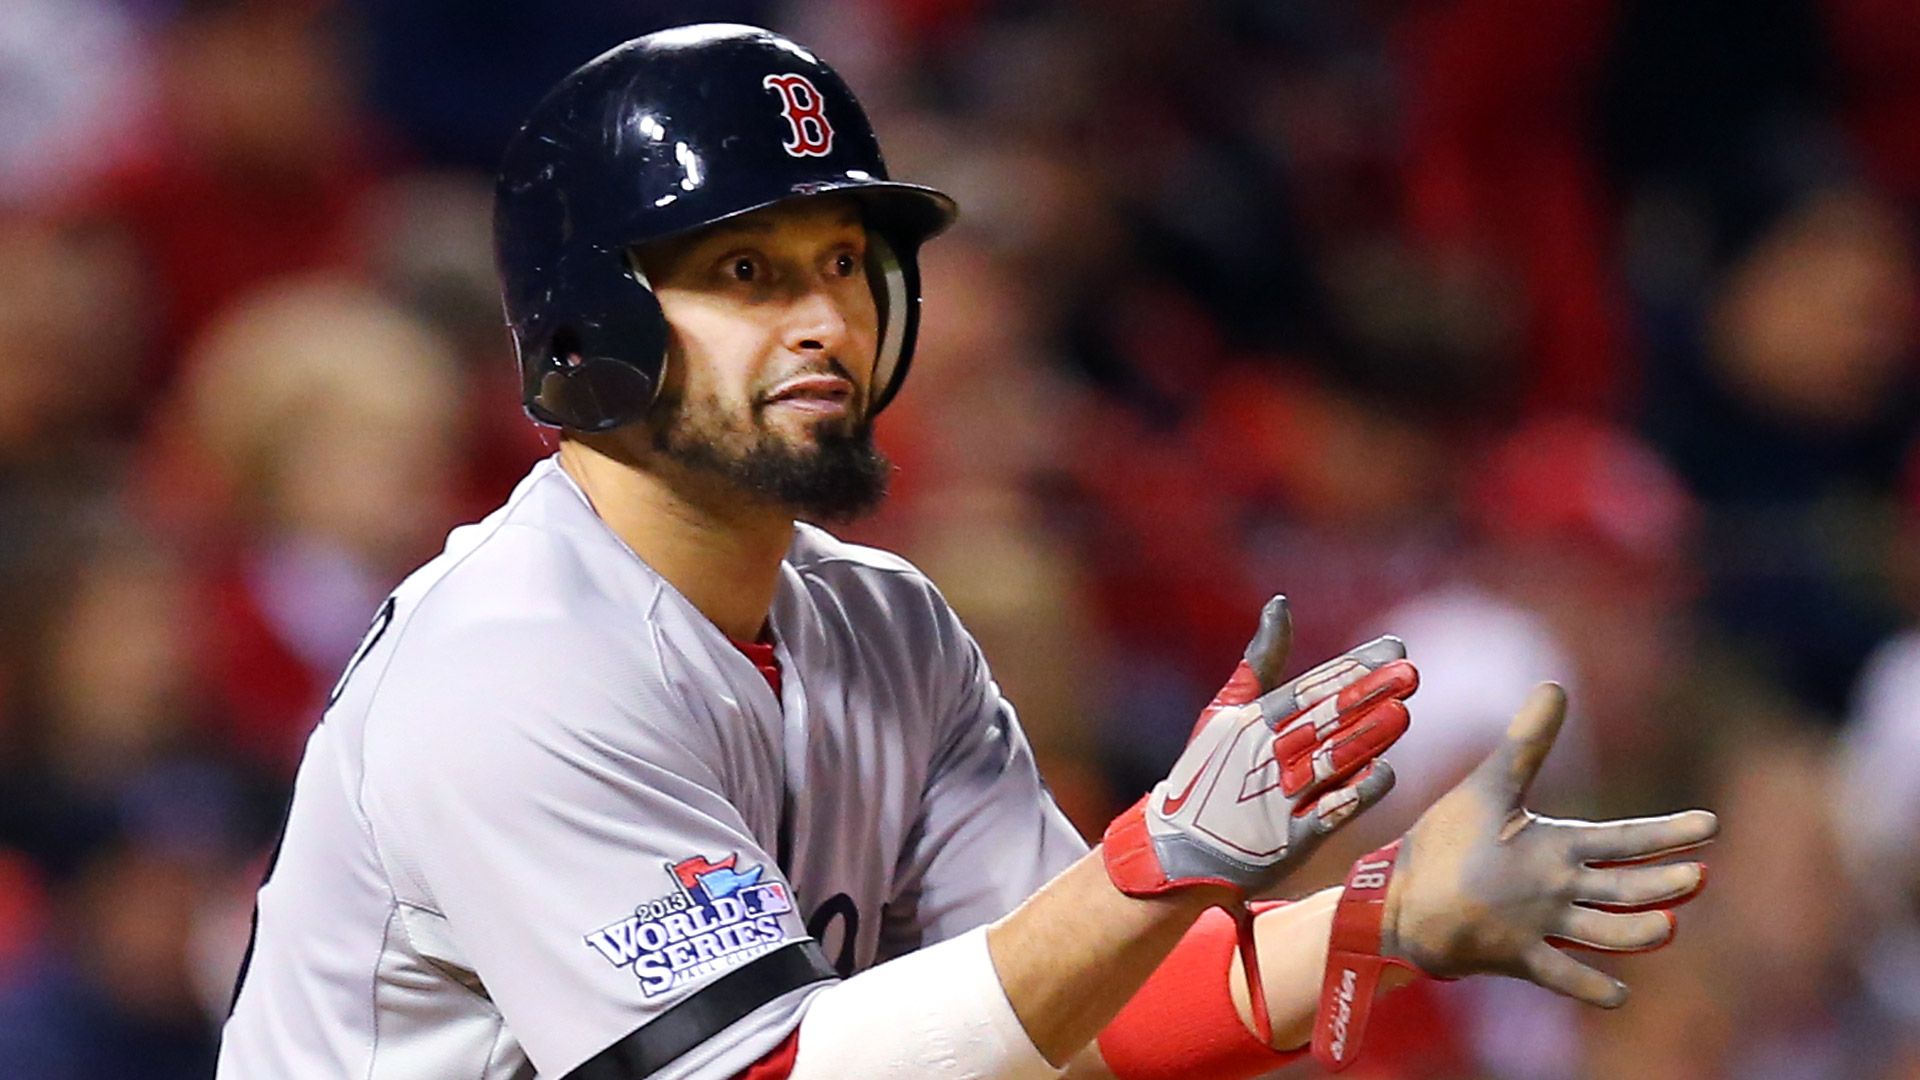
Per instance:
(664,135)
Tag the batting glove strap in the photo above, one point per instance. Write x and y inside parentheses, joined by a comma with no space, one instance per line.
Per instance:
(1128,852)
(1355,960)
(1142,864)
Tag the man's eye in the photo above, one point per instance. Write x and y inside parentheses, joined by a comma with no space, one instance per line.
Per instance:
(744,269)
(846,265)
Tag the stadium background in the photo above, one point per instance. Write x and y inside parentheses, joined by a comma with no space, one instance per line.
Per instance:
(1570,339)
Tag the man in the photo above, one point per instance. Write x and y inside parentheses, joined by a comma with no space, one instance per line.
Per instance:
(641,778)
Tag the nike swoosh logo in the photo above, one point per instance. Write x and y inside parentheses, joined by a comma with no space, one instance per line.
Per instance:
(1174,802)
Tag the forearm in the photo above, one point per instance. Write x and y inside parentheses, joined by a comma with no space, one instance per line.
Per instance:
(1193,1017)
(1292,939)
(1014,1000)
(1073,954)
(1078,950)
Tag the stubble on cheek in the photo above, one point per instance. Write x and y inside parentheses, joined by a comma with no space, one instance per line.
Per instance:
(684,424)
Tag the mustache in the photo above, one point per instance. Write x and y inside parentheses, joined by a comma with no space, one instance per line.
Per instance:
(764,396)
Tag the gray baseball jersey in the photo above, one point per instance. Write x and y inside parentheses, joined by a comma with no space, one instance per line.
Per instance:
(554,823)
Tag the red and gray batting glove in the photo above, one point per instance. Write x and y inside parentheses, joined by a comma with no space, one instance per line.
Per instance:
(1269,772)
(1481,885)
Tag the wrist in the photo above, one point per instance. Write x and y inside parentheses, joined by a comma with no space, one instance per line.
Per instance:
(1361,956)
(1196,899)
(1390,911)
(1182,901)
(1137,864)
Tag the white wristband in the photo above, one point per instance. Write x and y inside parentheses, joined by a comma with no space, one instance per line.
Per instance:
(936,1013)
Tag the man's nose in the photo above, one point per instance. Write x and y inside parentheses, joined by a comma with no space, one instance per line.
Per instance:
(818,322)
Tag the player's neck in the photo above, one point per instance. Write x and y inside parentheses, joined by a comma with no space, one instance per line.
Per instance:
(722,555)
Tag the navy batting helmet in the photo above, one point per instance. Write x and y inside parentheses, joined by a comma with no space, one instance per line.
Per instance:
(665,134)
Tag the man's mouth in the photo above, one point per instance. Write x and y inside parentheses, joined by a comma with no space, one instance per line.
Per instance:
(813,393)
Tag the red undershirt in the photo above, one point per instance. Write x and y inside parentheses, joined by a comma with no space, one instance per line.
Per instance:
(761,653)
(778,1062)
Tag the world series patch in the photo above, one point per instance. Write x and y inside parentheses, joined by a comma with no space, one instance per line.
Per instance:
(719,916)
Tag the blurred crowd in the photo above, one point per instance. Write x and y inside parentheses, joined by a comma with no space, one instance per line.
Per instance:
(1569,340)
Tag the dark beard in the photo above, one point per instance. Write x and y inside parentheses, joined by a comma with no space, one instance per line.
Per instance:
(841,477)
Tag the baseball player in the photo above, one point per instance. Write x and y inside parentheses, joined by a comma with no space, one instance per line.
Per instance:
(642,778)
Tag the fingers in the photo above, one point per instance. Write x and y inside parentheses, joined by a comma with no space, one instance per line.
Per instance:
(1614,932)
(1640,888)
(1356,740)
(1353,689)
(1393,679)
(1337,807)
(1562,974)
(1266,654)
(1326,681)
(1335,719)
(1381,651)
(1643,839)
(1510,769)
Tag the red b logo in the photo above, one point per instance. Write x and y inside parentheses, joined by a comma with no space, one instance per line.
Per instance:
(809,134)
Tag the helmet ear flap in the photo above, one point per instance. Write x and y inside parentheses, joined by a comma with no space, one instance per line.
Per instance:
(584,375)
(594,393)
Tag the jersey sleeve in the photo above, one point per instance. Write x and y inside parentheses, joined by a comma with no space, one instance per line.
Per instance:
(557,836)
(989,834)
